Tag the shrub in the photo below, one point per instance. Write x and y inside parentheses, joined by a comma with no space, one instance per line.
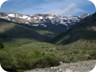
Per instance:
(1,45)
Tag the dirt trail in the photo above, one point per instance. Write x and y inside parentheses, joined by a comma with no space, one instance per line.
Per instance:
(84,66)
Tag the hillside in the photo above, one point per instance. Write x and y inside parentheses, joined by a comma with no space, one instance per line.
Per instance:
(10,31)
(22,47)
(85,30)
(28,47)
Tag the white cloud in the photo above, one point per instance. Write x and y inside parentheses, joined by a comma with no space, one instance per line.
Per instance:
(72,9)
(2,1)
(94,2)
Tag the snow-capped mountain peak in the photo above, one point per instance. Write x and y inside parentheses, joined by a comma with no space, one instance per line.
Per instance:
(42,19)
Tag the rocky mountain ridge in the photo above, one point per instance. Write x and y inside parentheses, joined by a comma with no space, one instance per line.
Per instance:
(56,24)
(41,18)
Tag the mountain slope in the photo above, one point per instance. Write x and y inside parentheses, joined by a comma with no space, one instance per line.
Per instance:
(23,48)
(10,30)
(85,30)
(49,22)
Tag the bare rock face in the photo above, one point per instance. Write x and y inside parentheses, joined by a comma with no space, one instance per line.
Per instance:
(84,15)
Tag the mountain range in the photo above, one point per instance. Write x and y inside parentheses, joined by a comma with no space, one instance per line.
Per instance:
(50,22)
(43,40)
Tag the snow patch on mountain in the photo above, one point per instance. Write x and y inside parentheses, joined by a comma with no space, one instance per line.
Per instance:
(42,19)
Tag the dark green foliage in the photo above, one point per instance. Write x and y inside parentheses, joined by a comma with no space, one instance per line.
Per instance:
(1,45)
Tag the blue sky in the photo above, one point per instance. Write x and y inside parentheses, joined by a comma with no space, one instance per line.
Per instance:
(60,7)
